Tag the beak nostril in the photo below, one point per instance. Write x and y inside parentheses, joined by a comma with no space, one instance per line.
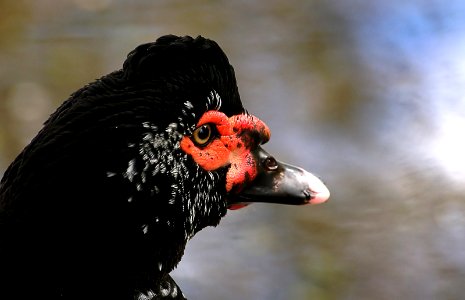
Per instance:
(270,163)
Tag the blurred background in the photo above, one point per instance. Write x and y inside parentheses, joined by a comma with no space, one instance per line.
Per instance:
(370,95)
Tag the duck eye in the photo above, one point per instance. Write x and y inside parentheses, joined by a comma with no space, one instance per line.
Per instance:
(203,135)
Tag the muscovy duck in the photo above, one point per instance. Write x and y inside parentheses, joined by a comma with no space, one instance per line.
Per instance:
(101,203)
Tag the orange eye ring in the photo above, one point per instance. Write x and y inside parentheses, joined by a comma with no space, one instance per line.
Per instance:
(203,135)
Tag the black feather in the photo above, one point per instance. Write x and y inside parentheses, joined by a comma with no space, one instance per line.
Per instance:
(100,203)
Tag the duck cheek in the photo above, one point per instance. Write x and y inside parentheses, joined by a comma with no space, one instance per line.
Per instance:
(212,157)
(243,170)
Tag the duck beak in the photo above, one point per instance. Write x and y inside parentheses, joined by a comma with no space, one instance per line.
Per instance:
(277,182)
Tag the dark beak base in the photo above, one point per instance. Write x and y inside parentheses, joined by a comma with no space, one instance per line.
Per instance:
(281,183)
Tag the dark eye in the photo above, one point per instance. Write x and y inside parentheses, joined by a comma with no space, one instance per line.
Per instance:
(203,135)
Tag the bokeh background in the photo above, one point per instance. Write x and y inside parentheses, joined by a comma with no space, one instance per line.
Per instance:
(368,94)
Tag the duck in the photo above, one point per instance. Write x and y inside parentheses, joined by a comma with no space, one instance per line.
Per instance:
(103,200)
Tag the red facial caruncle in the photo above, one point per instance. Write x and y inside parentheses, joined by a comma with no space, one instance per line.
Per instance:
(220,140)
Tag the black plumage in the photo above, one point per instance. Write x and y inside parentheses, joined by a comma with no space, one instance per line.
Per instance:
(70,218)
(102,202)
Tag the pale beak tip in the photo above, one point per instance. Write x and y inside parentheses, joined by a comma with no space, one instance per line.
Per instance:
(319,193)
(320,197)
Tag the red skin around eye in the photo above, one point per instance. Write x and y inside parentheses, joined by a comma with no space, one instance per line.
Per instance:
(239,135)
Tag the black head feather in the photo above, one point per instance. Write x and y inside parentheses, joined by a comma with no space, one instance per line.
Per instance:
(102,198)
